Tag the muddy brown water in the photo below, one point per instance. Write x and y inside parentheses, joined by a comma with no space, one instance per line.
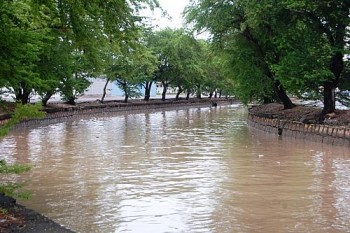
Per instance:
(190,170)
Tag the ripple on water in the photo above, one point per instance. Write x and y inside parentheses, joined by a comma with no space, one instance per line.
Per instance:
(193,170)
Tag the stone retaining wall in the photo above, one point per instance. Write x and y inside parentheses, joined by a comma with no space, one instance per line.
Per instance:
(56,115)
(334,135)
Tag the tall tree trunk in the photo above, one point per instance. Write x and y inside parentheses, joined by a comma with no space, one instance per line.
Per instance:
(22,95)
(337,39)
(126,98)
(104,90)
(337,67)
(282,95)
(220,94)
(126,92)
(328,98)
(216,94)
(199,92)
(148,86)
(211,95)
(188,95)
(165,88)
(179,91)
(278,89)
(199,95)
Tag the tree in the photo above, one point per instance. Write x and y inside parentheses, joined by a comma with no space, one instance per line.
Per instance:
(329,20)
(21,44)
(186,63)
(83,29)
(56,62)
(34,33)
(214,79)
(130,63)
(179,55)
(300,44)
(145,64)
(248,46)
(162,45)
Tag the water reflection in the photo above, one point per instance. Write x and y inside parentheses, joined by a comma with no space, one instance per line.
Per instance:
(191,170)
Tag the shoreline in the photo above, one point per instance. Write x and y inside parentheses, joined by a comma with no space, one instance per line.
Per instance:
(63,112)
(21,219)
(301,122)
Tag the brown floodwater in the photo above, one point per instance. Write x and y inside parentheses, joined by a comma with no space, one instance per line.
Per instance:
(189,170)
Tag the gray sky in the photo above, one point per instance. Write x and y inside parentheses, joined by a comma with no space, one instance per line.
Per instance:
(174,9)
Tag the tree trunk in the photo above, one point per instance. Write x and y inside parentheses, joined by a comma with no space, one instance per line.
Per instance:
(165,88)
(199,92)
(199,95)
(188,95)
(71,101)
(216,94)
(328,98)
(211,95)
(104,90)
(126,93)
(126,98)
(337,62)
(148,87)
(282,95)
(46,98)
(220,94)
(337,67)
(22,95)
(179,91)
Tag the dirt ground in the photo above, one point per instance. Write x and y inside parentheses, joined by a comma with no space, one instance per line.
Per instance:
(302,113)
(17,218)
(305,114)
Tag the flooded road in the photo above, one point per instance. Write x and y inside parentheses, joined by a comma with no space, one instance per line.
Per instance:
(191,170)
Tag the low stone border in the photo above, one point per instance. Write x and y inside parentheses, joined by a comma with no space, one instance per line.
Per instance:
(55,115)
(334,135)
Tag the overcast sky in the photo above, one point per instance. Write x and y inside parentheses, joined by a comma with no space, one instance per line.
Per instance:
(174,9)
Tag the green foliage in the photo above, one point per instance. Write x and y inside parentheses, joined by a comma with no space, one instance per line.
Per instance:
(246,54)
(21,43)
(180,59)
(3,211)
(22,112)
(13,169)
(73,87)
(299,45)
(45,44)
(13,189)
(162,44)
(52,46)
